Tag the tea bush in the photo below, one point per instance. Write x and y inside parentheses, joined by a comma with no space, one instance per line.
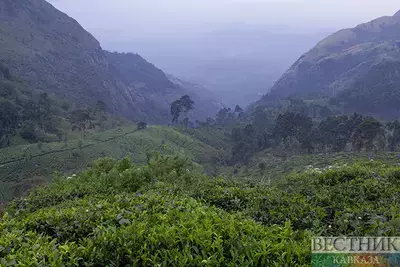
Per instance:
(151,221)
(167,214)
(361,199)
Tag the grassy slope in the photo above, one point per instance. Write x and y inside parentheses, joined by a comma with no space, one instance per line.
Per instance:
(23,165)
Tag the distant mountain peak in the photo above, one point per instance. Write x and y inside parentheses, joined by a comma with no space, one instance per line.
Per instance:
(397,14)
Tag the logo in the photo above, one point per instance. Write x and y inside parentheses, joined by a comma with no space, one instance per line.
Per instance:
(355,251)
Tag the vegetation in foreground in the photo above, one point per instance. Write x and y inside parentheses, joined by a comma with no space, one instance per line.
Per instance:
(164,213)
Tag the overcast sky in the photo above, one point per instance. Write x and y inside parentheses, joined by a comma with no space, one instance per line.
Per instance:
(147,18)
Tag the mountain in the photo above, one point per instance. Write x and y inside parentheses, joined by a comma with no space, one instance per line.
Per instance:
(356,69)
(139,73)
(54,54)
(149,81)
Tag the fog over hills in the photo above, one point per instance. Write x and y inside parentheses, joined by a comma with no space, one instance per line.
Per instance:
(235,48)
(237,62)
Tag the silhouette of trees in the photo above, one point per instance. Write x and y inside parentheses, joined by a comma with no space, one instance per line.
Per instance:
(184,104)
(298,133)
(187,103)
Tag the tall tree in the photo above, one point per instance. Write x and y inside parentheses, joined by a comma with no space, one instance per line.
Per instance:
(187,103)
(176,109)
(184,104)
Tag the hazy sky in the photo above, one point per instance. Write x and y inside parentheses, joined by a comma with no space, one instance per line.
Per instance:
(147,18)
(213,41)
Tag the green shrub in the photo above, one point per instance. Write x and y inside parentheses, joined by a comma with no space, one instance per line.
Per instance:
(82,220)
(166,214)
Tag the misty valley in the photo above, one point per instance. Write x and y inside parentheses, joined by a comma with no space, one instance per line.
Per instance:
(237,150)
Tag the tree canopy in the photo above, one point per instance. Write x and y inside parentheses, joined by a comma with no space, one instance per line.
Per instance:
(184,104)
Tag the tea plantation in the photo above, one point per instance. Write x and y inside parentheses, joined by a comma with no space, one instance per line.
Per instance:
(166,213)
(23,166)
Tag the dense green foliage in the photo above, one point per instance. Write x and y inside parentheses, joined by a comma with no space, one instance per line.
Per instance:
(164,213)
(297,133)
(350,200)
(121,214)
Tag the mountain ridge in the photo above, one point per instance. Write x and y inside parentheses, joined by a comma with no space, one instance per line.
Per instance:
(341,61)
(55,54)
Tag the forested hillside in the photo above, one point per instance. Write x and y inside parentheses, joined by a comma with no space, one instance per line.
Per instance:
(53,53)
(355,70)
(296,133)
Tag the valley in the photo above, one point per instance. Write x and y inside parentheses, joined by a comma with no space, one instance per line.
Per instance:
(107,160)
